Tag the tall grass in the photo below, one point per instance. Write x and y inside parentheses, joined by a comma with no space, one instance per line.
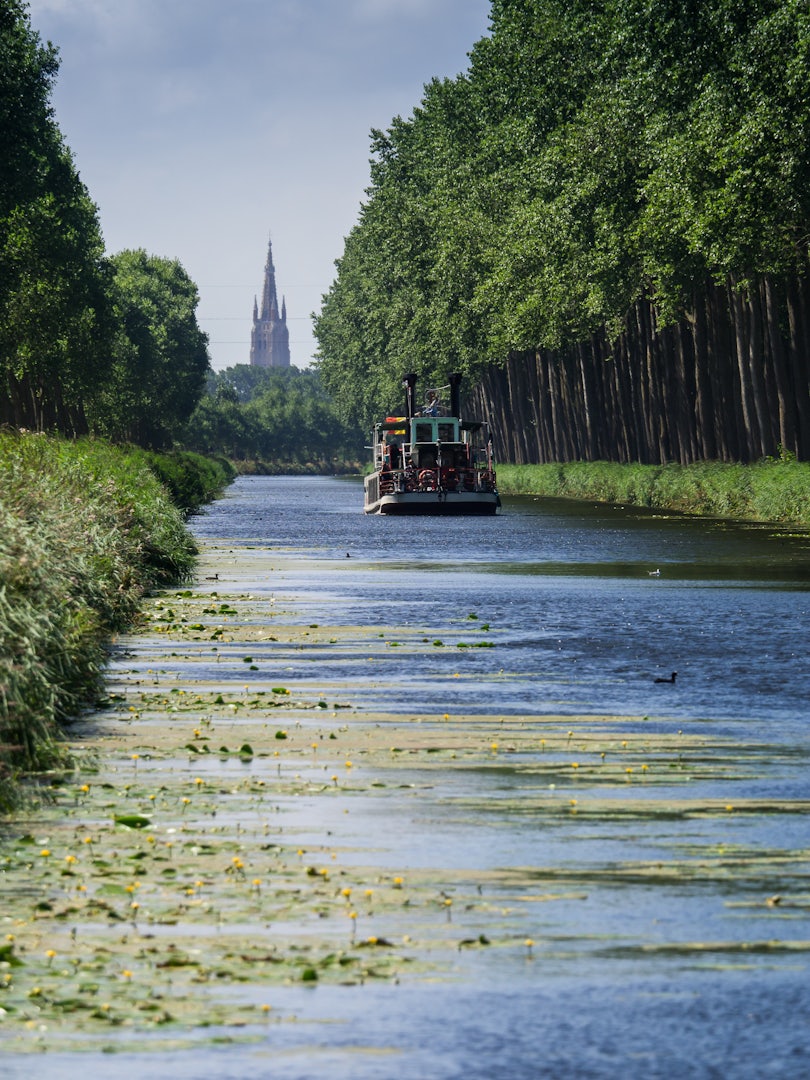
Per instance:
(192,480)
(777,491)
(85,531)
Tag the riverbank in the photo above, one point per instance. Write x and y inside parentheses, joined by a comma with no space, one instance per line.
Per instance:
(297,468)
(777,491)
(86,530)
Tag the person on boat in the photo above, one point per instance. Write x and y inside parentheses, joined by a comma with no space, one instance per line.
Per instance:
(432,406)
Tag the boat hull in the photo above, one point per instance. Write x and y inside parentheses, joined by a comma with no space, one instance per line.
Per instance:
(441,504)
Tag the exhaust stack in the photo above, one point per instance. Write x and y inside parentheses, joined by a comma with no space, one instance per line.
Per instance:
(455,394)
(409,384)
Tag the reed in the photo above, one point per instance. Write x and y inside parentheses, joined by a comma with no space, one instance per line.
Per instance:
(85,530)
(777,491)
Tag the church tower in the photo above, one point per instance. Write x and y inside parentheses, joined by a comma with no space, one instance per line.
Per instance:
(269,338)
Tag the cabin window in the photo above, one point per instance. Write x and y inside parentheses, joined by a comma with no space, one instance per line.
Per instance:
(447,433)
(425,456)
(424,433)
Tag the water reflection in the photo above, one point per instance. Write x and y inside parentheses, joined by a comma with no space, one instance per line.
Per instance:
(586,604)
(668,914)
(322,517)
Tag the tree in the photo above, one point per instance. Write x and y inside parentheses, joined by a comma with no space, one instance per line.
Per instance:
(277,415)
(594,159)
(55,318)
(159,358)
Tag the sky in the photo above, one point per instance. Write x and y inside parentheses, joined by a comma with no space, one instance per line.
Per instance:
(201,128)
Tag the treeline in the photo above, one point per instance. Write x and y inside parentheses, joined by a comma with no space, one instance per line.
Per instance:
(728,382)
(87,343)
(604,223)
(281,416)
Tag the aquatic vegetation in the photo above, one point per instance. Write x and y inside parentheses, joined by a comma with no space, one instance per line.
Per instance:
(231,837)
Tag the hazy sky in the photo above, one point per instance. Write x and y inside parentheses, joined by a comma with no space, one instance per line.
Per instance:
(201,127)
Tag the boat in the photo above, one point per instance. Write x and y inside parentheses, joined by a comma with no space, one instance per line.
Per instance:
(431,461)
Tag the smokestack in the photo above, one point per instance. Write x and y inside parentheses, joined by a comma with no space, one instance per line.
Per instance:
(455,394)
(409,384)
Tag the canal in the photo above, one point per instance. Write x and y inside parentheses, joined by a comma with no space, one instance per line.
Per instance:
(563,865)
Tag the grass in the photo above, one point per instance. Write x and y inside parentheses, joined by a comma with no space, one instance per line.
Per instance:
(86,530)
(191,479)
(777,491)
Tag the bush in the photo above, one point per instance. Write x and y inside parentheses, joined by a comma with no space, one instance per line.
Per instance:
(192,480)
(85,531)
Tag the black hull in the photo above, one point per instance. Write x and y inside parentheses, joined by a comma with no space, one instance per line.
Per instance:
(435,504)
(439,509)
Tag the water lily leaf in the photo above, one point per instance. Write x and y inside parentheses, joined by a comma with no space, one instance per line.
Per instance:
(7,956)
(132,821)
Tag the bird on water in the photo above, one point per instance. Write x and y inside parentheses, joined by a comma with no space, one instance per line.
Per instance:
(671,679)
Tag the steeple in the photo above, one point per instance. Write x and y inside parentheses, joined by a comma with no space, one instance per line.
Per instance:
(269,299)
(270,339)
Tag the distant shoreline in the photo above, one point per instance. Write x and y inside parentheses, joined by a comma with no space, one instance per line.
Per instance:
(769,491)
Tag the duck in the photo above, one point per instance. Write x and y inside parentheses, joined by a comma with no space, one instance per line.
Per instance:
(671,679)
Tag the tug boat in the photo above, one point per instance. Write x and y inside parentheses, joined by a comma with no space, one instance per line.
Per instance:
(430,461)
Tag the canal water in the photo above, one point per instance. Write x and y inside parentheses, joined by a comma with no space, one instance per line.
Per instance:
(677,940)
(586,606)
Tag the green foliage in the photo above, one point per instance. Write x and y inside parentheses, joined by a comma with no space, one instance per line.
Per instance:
(87,343)
(85,531)
(279,415)
(591,155)
(55,313)
(191,479)
(777,491)
(159,358)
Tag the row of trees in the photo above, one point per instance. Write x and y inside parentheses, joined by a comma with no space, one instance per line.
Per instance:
(729,383)
(604,223)
(271,414)
(87,343)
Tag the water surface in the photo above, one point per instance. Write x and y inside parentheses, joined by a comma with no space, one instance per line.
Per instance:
(676,940)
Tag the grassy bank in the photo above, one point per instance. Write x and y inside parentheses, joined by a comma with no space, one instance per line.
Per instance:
(769,491)
(191,479)
(85,531)
(297,468)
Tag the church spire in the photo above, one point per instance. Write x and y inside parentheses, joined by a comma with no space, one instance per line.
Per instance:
(269,339)
(269,298)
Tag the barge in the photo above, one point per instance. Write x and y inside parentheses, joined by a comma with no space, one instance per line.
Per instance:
(431,461)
